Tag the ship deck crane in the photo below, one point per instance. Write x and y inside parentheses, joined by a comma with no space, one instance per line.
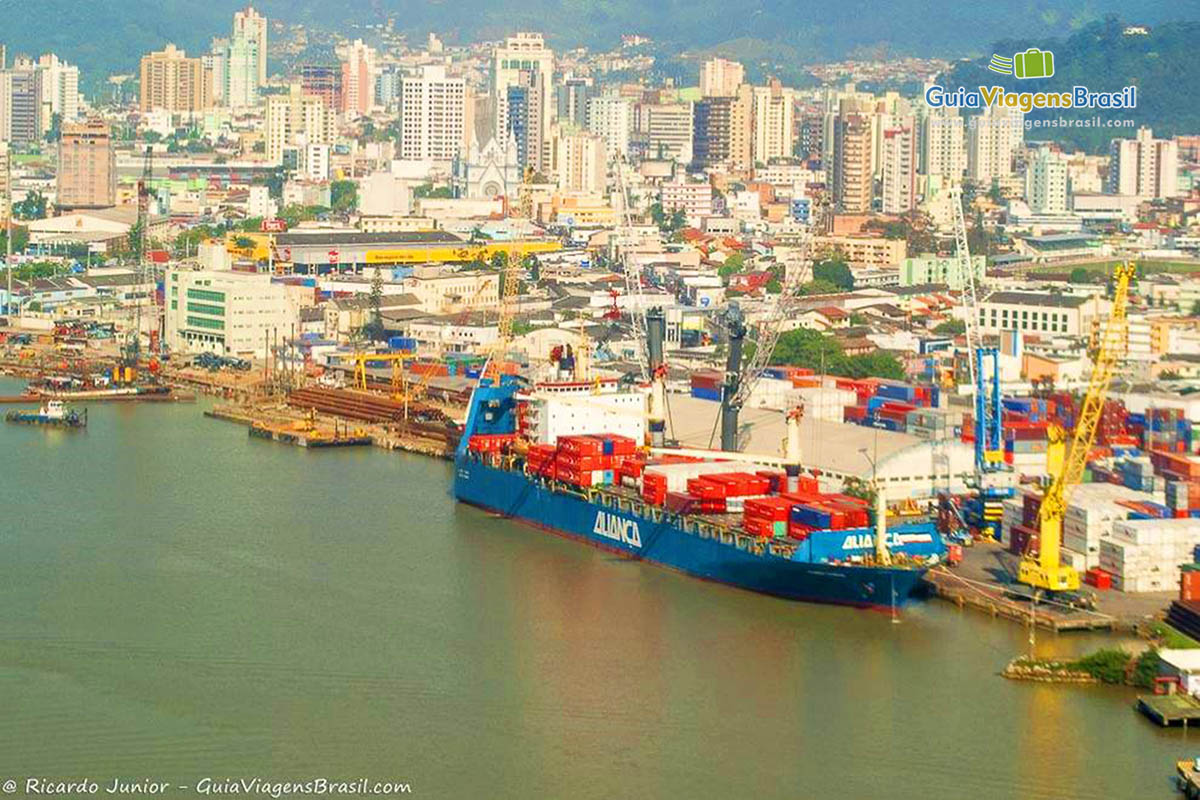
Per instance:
(1046,570)
(740,381)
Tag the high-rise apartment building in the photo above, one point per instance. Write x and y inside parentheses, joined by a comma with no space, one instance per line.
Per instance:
(574,94)
(811,142)
(87,173)
(774,123)
(723,131)
(434,116)
(668,129)
(173,82)
(60,88)
(853,181)
(296,120)
(358,78)
(610,117)
(251,26)
(21,106)
(721,78)
(1046,182)
(524,106)
(323,81)
(216,65)
(1143,166)
(899,167)
(524,53)
(942,144)
(993,138)
(577,160)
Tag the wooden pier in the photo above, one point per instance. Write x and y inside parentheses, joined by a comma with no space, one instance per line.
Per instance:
(1177,708)
(991,598)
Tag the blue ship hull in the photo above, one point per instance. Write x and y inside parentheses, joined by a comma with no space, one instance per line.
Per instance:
(688,546)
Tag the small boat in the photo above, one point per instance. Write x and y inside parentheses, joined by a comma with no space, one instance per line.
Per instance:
(53,413)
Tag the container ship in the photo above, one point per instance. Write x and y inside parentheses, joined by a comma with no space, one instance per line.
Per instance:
(572,459)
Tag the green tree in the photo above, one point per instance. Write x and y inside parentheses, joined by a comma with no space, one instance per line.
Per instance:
(374,329)
(1080,275)
(20,239)
(533,267)
(430,191)
(994,193)
(834,270)
(32,207)
(732,265)
(343,196)
(816,287)
(815,350)
(952,327)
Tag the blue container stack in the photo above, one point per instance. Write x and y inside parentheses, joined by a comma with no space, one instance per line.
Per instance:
(1138,473)
(813,517)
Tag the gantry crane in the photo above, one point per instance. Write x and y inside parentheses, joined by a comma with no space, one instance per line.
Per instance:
(983,512)
(1065,468)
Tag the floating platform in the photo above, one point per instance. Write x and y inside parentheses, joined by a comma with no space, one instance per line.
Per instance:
(1170,709)
(307,438)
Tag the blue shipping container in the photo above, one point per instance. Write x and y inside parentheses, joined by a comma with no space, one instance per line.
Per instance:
(705,393)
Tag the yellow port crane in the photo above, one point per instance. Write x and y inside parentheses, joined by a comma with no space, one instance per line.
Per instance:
(1065,469)
(510,289)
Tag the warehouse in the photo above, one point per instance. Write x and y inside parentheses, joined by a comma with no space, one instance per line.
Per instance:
(342,250)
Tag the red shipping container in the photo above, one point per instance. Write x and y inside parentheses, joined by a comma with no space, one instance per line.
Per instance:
(854,413)
(1189,585)
(775,509)
(1098,578)
(798,530)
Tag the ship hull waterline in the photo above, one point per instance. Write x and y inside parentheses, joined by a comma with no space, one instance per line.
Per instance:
(515,496)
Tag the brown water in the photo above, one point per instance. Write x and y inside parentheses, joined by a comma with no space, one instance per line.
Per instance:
(179,601)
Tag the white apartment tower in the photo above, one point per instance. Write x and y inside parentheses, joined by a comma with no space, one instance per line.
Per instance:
(1143,166)
(245,67)
(433,116)
(942,144)
(992,141)
(1046,182)
(774,120)
(578,161)
(721,78)
(899,166)
(610,117)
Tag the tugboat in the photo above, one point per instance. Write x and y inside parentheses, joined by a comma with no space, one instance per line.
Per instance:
(53,413)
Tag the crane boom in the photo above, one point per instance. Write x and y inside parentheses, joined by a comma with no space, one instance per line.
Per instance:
(770,328)
(962,254)
(633,278)
(1045,571)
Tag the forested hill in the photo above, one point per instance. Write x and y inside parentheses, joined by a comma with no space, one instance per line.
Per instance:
(1163,64)
(110,35)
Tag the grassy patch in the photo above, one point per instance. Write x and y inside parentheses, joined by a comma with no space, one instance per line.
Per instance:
(1166,636)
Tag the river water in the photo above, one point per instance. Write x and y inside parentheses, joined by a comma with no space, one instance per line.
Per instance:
(180,602)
